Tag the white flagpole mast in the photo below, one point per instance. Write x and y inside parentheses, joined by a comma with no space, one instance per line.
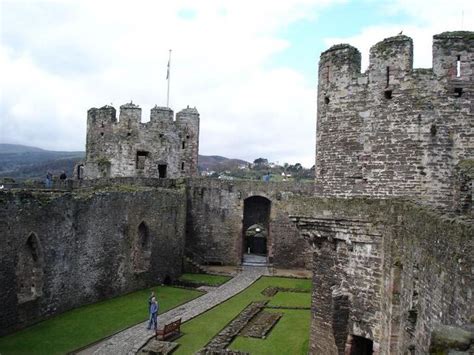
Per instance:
(168,78)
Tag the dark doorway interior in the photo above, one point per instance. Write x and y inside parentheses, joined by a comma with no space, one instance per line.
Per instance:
(361,346)
(162,171)
(256,225)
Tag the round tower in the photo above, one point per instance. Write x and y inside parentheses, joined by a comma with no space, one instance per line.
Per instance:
(100,122)
(130,116)
(338,125)
(187,122)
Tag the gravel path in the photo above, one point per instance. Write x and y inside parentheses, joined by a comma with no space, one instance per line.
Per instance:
(132,339)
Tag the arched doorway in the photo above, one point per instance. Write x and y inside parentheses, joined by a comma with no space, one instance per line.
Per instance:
(256,229)
(29,270)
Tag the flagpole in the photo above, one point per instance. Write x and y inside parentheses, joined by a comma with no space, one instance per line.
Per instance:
(168,78)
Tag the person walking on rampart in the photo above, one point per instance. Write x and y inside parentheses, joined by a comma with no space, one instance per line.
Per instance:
(49,180)
(153,314)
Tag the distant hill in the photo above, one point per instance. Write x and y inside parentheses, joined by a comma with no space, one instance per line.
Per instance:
(25,162)
(218,163)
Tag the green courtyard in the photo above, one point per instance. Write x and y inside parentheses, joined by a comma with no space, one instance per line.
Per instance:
(85,325)
(290,335)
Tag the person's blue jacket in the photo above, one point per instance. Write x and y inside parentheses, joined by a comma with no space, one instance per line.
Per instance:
(154,307)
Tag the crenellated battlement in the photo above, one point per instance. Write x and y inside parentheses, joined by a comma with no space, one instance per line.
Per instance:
(161,147)
(131,113)
(395,130)
(392,59)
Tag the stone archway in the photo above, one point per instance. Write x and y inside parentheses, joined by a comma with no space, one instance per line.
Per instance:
(29,270)
(256,228)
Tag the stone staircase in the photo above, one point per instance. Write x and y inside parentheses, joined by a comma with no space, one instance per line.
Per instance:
(194,266)
(254,260)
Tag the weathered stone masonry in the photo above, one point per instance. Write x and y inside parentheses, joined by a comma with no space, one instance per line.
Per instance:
(160,148)
(214,228)
(64,250)
(395,130)
(386,270)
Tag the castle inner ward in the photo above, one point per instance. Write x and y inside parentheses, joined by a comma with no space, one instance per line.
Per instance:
(386,227)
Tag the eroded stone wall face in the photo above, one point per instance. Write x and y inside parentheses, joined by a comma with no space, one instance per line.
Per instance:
(384,270)
(83,248)
(214,231)
(162,147)
(395,130)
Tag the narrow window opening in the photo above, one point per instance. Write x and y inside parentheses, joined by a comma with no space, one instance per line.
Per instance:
(187,137)
(141,158)
(183,145)
(102,124)
(101,134)
(458,66)
(388,94)
(129,134)
(433,130)
(182,166)
(161,135)
(388,76)
(326,100)
(162,171)
(458,92)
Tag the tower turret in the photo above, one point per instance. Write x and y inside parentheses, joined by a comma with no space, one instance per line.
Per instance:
(453,60)
(100,123)
(390,61)
(130,116)
(160,113)
(187,122)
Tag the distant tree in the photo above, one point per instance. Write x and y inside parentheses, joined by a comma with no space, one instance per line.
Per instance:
(295,168)
(261,162)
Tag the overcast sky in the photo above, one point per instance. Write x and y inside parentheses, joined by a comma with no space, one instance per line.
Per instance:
(249,67)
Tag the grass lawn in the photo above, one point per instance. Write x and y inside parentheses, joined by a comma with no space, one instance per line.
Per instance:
(291,299)
(294,330)
(84,325)
(211,280)
(290,335)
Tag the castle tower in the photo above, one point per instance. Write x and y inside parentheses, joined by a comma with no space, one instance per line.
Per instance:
(160,148)
(187,123)
(338,123)
(395,130)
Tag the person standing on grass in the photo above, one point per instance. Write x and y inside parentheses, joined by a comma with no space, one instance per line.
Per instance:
(153,314)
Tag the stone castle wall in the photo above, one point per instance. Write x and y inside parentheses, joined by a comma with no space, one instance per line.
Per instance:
(214,230)
(387,271)
(64,250)
(160,148)
(395,130)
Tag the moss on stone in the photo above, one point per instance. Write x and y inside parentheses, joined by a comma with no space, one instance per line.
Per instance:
(102,161)
(467,167)
(456,34)
(446,337)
